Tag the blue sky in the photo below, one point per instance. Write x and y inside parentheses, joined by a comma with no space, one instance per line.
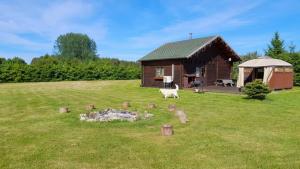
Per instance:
(129,29)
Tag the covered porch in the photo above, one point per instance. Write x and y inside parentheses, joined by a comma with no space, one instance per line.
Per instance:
(221,89)
(217,89)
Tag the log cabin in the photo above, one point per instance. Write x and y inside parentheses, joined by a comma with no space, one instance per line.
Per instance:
(207,59)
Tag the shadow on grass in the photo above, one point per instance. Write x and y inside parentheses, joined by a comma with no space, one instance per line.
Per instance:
(265,99)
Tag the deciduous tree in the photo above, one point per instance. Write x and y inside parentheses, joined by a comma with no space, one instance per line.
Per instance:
(75,45)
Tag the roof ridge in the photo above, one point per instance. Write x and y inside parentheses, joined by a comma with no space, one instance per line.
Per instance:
(205,37)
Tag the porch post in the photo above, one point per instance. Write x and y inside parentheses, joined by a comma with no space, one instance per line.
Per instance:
(240,81)
(173,72)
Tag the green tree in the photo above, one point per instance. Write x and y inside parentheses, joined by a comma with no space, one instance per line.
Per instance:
(249,56)
(16,60)
(276,47)
(256,90)
(292,48)
(45,60)
(14,70)
(2,60)
(75,45)
(295,61)
(244,58)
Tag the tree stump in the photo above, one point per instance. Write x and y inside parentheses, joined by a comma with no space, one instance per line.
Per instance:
(151,106)
(90,107)
(125,105)
(64,110)
(167,130)
(172,107)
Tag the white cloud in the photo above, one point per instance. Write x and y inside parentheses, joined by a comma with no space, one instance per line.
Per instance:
(209,24)
(31,26)
(42,22)
(250,43)
(13,39)
(226,19)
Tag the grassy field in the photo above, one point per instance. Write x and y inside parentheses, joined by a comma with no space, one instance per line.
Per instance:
(224,131)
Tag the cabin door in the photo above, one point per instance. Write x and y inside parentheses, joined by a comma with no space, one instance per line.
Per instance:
(200,74)
(211,73)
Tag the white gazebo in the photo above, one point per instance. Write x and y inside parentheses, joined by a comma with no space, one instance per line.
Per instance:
(262,68)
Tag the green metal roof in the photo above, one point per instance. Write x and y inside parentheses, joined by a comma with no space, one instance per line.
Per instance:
(179,49)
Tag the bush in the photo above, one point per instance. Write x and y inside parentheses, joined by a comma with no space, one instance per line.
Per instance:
(297,79)
(256,90)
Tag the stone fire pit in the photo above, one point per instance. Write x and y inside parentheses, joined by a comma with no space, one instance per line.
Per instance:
(112,114)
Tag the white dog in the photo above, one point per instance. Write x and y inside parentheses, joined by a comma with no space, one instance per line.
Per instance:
(170,92)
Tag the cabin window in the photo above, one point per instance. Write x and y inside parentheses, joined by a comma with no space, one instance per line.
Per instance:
(200,71)
(159,72)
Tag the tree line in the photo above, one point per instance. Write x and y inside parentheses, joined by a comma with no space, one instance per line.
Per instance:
(75,58)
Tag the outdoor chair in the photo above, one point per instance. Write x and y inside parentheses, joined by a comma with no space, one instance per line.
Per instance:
(224,82)
(167,80)
(196,83)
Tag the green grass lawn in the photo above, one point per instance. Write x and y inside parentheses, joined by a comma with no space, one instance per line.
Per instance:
(224,131)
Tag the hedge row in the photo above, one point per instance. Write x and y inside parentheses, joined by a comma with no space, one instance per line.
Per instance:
(53,69)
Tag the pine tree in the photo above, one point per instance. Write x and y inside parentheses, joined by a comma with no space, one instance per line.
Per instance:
(276,47)
(292,48)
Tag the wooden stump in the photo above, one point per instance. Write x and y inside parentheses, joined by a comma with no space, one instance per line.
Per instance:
(172,107)
(125,105)
(166,130)
(90,107)
(64,110)
(151,106)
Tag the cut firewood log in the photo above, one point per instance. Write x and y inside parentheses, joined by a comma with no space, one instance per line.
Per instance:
(126,105)
(182,116)
(151,106)
(90,107)
(172,107)
(167,130)
(64,110)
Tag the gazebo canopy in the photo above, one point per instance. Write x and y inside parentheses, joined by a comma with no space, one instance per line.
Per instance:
(265,61)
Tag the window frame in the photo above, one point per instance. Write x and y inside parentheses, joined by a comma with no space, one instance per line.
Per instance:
(159,72)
